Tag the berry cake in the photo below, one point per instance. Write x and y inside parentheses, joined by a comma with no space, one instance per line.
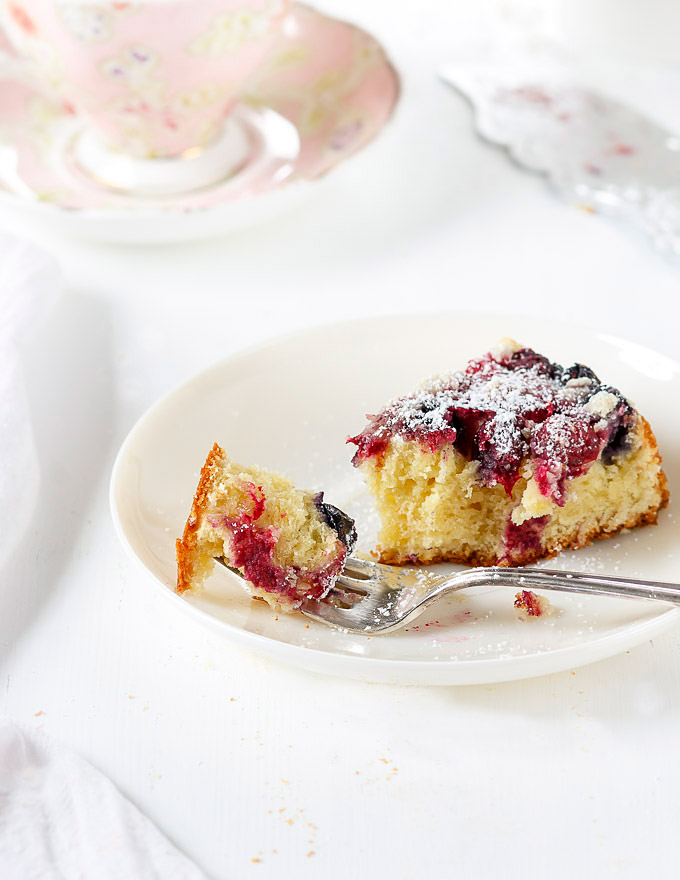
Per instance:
(288,544)
(512,460)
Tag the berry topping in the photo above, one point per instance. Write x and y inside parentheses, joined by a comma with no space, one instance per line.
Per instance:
(337,520)
(563,446)
(578,371)
(501,463)
(528,359)
(508,406)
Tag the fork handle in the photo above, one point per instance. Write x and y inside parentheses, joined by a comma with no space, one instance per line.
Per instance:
(576,582)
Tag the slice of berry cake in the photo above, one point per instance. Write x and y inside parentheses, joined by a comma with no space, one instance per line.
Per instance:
(512,460)
(288,544)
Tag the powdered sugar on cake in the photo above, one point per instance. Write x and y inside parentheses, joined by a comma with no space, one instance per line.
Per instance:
(508,406)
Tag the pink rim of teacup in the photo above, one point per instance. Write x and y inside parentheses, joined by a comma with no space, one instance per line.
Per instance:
(328,79)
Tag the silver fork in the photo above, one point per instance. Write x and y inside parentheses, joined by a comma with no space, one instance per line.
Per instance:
(370,598)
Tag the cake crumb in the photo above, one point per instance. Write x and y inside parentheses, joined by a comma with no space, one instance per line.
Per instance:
(602,403)
(530,604)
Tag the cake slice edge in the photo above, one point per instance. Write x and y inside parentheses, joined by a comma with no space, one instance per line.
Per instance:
(187,548)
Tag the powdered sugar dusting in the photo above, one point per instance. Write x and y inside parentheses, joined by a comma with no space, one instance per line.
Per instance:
(507,406)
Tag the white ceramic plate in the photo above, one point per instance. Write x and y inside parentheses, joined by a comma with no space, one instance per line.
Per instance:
(291,404)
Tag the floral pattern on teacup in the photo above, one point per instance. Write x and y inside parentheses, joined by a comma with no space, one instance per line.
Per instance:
(138,127)
(231,30)
(135,119)
(346,133)
(42,116)
(88,24)
(145,111)
(200,97)
(133,65)
(140,111)
(133,69)
(44,58)
(21,19)
(48,63)
(318,101)
(291,56)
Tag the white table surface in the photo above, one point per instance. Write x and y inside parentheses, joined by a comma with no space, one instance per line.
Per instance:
(258,770)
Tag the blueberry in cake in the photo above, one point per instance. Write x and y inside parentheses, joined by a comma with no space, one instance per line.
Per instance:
(512,460)
(288,544)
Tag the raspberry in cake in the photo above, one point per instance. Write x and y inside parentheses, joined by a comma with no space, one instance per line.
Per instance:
(509,461)
(288,544)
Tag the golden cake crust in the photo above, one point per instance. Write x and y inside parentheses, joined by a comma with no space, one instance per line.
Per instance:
(187,545)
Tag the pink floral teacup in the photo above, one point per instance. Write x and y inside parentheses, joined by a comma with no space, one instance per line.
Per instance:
(154,78)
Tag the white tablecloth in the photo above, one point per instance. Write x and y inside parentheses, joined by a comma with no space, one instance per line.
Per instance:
(61,818)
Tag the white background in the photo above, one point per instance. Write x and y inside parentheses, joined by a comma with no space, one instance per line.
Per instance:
(263,771)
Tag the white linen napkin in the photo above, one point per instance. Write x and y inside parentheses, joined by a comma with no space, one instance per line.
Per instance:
(60,819)
(29,285)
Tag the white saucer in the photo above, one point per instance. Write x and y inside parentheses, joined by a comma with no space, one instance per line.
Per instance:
(290,405)
(326,90)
